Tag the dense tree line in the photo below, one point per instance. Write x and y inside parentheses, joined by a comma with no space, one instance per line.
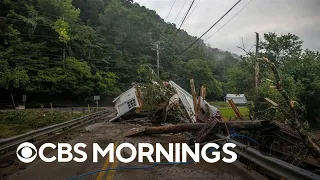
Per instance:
(87,47)
(80,48)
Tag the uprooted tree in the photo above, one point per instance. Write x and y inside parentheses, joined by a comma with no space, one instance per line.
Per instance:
(293,118)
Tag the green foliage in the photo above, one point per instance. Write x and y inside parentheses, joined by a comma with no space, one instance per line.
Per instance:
(155,94)
(18,122)
(15,78)
(81,68)
(228,113)
(61,27)
(299,72)
(201,72)
(239,80)
(281,48)
(220,104)
(304,73)
(108,46)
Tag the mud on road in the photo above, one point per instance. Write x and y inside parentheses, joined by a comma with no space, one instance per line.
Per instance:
(105,133)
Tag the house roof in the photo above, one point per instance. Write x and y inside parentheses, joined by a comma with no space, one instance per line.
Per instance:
(234,95)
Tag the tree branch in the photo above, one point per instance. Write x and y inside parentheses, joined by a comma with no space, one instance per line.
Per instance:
(294,122)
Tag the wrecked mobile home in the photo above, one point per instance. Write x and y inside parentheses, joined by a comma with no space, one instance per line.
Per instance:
(271,148)
(133,99)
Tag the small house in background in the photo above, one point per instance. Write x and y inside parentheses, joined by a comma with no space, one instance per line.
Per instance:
(236,98)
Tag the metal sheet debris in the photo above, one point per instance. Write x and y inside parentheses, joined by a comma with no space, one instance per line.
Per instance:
(186,99)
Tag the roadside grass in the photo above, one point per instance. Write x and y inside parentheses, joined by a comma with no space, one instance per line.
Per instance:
(219,104)
(227,112)
(21,121)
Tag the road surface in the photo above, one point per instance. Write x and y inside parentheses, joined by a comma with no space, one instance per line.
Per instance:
(105,133)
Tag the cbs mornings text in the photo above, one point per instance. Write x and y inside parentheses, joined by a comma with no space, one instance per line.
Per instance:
(175,153)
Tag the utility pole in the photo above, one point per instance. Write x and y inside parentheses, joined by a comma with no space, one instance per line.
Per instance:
(157,44)
(257,67)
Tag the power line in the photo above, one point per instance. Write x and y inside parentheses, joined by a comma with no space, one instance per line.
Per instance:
(229,20)
(163,29)
(193,9)
(170,10)
(208,29)
(185,16)
(179,11)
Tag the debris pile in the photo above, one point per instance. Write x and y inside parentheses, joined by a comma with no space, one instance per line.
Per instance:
(162,103)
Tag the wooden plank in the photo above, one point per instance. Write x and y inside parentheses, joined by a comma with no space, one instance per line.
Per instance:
(235,109)
(271,102)
(194,96)
(139,98)
(203,92)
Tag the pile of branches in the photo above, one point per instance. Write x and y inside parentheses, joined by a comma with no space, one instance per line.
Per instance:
(286,140)
(156,99)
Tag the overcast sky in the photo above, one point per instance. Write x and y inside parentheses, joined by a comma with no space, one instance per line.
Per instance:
(300,17)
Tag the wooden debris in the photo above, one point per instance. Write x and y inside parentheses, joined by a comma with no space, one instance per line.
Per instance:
(235,109)
(139,98)
(271,102)
(193,127)
(194,96)
(206,130)
(203,92)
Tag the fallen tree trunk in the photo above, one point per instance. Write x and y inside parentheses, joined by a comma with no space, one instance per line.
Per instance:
(192,127)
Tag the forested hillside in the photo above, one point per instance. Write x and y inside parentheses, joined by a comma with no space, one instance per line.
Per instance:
(84,47)
(74,49)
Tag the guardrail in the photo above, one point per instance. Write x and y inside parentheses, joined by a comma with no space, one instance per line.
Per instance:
(274,165)
(8,143)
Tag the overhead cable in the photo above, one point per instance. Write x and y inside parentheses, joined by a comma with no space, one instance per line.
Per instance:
(170,10)
(228,20)
(185,16)
(209,29)
(179,11)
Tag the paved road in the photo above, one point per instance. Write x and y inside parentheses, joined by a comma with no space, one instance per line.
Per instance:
(105,133)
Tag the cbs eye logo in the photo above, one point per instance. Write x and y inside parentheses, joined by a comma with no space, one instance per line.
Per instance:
(24,152)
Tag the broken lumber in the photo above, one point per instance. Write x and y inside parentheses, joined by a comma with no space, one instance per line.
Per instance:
(206,130)
(194,96)
(235,109)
